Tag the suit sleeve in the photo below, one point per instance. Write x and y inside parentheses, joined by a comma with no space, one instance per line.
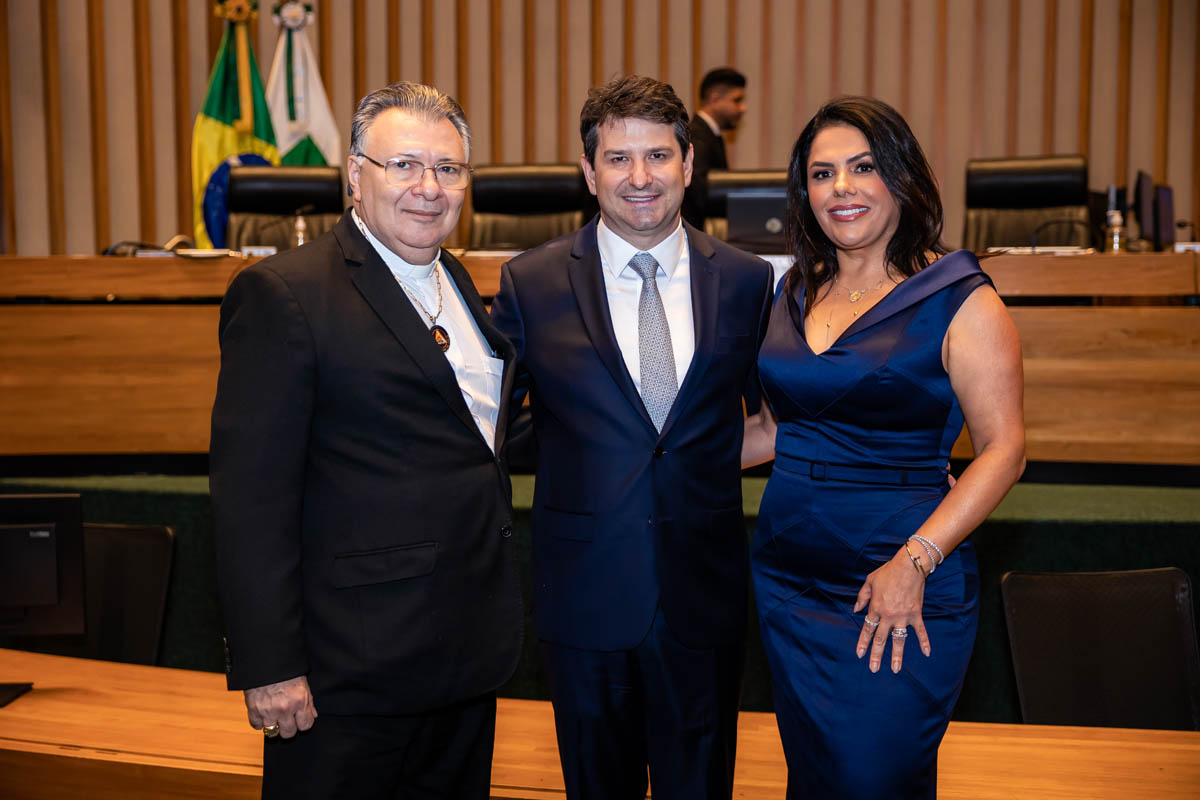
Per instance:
(752,394)
(520,446)
(260,428)
(695,197)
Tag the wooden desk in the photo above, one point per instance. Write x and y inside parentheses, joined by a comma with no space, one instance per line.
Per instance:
(111,731)
(1103,383)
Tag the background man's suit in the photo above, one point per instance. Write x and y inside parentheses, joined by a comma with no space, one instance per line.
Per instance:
(708,151)
(364,526)
(627,521)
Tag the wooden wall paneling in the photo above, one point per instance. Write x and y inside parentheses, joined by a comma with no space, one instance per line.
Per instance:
(427,44)
(495,54)
(1014,77)
(906,17)
(597,8)
(1124,69)
(665,35)
(977,90)
(767,79)
(1196,135)
(216,29)
(1087,24)
(8,214)
(560,76)
(181,81)
(835,49)
(52,92)
(698,45)
(1162,93)
(627,37)
(393,42)
(940,89)
(869,23)
(359,50)
(144,94)
(800,111)
(98,127)
(462,65)
(324,24)
(731,31)
(1049,74)
(529,74)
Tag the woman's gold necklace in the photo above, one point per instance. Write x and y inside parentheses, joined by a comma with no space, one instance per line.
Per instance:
(853,295)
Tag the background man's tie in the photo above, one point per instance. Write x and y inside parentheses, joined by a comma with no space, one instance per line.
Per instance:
(659,382)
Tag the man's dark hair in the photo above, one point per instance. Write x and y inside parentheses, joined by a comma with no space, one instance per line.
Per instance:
(905,172)
(720,78)
(632,97)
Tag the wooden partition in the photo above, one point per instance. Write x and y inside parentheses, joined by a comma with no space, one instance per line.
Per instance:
(120,355)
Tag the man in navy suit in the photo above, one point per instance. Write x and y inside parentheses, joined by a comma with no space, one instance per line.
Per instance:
(637,337)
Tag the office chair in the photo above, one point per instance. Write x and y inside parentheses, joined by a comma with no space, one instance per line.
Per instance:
(263,203)
(722,182)
(519,206)
(1020,202)
(1107,649)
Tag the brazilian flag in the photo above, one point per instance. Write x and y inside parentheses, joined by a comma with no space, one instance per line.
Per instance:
(233,127)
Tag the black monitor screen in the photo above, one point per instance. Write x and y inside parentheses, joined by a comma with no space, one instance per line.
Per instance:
(41,565)
(755,219)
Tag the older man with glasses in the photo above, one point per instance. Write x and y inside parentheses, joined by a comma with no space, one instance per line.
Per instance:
(363,515)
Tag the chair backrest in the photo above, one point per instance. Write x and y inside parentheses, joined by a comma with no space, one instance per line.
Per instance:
(1108,649)
(721,182)
(1016,202)
(263,201)
(519,206)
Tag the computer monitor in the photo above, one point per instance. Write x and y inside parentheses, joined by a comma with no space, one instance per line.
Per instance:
(755,218)
(41,569)
(1143,205)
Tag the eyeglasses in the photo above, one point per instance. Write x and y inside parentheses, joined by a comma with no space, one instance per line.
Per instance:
(406,172)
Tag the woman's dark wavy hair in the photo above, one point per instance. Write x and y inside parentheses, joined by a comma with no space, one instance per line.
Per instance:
(901,165)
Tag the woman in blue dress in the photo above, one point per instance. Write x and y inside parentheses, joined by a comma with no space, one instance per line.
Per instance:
(880,346)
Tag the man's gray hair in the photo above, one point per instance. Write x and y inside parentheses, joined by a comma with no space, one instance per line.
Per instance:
(415,98)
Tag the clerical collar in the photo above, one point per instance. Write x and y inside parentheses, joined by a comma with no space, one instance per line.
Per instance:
(397,265)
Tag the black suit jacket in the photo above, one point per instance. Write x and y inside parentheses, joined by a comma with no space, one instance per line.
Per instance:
(363,525)
(625,518)
(708,154)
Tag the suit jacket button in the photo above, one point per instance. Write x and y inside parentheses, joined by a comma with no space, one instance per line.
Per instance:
(506,530)
(658,452)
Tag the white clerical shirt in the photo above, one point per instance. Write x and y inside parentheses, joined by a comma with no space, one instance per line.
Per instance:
(479,375)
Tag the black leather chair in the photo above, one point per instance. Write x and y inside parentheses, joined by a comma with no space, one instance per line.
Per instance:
(1028,201)
(1107,649)
(519,206)
(722,182)
(263,203)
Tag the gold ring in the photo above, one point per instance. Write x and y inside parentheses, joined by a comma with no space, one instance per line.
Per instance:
(270,731)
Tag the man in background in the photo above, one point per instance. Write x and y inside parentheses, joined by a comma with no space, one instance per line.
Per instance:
(722,104)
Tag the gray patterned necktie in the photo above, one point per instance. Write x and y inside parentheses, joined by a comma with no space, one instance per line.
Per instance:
(655,354)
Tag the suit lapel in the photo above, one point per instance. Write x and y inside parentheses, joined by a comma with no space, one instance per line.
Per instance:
(501,347)
(587,281)
(706,285)
(382,292)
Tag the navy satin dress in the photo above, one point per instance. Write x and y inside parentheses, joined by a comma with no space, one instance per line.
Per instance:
(865,432)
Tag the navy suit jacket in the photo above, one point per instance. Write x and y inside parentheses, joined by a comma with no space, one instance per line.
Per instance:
(625,518)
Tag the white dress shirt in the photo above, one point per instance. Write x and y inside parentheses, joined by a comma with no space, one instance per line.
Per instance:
(479,375)
(624,289)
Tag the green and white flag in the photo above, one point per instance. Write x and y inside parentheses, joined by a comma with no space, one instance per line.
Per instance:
(304,128)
